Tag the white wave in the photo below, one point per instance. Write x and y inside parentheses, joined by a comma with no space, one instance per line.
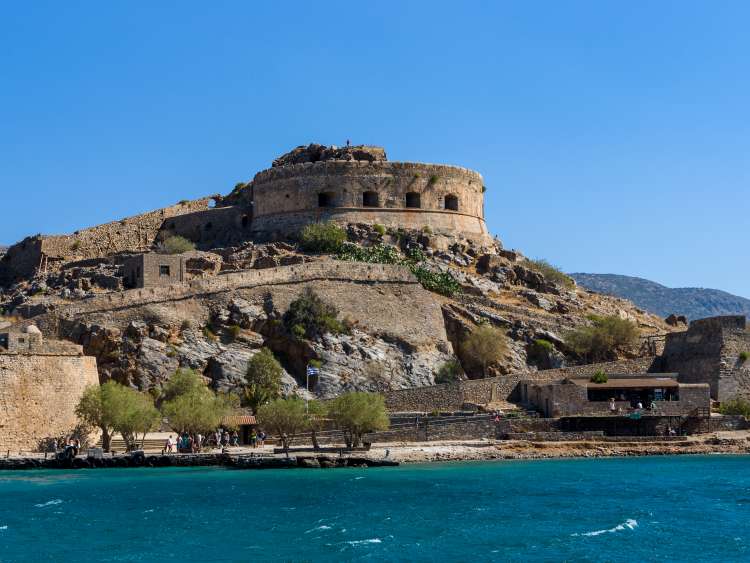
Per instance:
(358,478)
(49,503)
(318,528)
(361,542)
(629,524)
(148,511)
(3,527)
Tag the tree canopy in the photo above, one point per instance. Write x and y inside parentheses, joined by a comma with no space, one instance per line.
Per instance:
(284,417)
(309,316)
(190,406)
(357,413)
(263,379)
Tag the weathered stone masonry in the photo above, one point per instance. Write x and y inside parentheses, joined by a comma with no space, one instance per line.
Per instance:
(39,392)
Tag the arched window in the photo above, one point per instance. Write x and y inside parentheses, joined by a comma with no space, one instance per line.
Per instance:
(370,199)
(326,199)
(245,221)
(451,203)
(413,200)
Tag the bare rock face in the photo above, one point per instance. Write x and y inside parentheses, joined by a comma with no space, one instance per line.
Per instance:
(316,153)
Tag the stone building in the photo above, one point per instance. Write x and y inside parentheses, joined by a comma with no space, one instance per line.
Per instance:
(153,270)
(713,351)
(41,381)
(358,185)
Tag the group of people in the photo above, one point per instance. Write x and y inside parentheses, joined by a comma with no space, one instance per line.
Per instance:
(68,450)
(222,438)
(638,405)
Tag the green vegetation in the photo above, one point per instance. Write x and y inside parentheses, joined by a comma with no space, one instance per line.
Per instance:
(736,406)
(115,408)
(317,413)
(234,331)
(209,334)
(551,273)
(485,345)
(313,315)
(599,377)
(449,372)
(539,352)
(284,417)
(175,245)
(744,356)
(378,228)
(75,246)
(603,339)
(262,380)
(427,230)
(433,180)
(190,406)
(322,237)
(357,413)
(439,282)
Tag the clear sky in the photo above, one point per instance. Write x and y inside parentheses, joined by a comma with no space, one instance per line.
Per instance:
(613,137)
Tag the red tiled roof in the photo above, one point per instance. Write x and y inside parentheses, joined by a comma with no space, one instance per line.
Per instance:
(239,420)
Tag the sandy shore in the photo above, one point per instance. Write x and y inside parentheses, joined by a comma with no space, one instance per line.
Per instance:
(422,452)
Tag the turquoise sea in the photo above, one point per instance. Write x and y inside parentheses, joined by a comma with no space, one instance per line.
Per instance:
(634,509)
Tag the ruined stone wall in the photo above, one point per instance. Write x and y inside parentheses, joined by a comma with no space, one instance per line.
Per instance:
(709,352)
(452,396)
(383,299)
(287,197)
(133,234)
(38,395)
(218,226)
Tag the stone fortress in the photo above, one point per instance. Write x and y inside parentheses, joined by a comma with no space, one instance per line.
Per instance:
(129,313)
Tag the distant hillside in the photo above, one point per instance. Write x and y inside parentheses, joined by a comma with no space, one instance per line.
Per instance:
(693,302)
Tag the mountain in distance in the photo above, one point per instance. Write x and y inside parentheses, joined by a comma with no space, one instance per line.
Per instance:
(693,302)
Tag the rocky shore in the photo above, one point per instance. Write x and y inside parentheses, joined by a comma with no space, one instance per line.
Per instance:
(140,459)
(429,452)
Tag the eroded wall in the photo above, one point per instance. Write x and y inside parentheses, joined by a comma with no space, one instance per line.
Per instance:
(38,395)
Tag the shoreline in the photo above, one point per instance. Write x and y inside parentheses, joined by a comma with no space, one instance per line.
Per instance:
(393,454)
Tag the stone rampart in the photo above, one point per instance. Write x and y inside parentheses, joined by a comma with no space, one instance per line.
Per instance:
(132,234)
(38,395)
(382,299)
(453,396)
(395,194)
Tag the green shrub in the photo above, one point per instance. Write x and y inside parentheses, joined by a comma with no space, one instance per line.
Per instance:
(209,334)
(539,352)
(599,377)
(377,254)
(433,179)
(262,380)
(485,345)
(309,316)
(322,237)
(176,245)
(234,331)
(736,406)
(438,282)
(484,189)
(551,273)
(603,339)
(449,372)
(378,228)
(427,230)
(315,363)
(744,356)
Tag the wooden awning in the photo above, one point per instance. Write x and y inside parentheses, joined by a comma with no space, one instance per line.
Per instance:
(630,383)
(239,420)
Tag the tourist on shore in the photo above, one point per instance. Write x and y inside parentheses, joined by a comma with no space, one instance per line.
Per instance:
(261,438)
(225,439)
(168,446)
(254,439)
(639,405)
(235,440)
(612,405)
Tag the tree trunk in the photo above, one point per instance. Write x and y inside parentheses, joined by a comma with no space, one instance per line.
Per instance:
(106,440)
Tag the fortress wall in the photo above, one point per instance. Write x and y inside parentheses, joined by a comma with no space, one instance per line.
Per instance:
(292,191)
(38,395)
(132,234)
(382,298)
(219,225)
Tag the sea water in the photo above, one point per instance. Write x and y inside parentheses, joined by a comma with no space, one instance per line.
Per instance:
(635,509)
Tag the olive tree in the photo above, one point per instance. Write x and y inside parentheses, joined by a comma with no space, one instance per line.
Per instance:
(262,381)
(484,346)
(284,417)
(190,406)
(357,413)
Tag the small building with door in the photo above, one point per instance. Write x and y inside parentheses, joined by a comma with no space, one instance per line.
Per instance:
(153,270)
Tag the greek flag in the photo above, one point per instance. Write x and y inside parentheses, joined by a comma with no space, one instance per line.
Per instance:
(311,370)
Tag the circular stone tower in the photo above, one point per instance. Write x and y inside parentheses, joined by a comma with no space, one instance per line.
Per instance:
(358,185)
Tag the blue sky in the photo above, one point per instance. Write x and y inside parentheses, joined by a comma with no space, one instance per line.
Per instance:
(613,136)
